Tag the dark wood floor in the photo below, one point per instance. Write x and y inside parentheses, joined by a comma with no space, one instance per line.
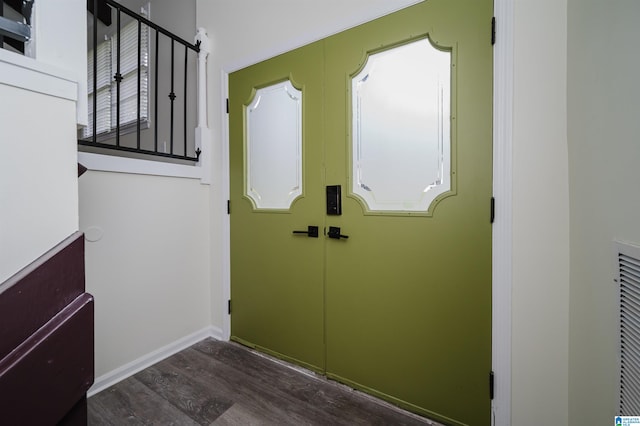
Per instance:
(221,383)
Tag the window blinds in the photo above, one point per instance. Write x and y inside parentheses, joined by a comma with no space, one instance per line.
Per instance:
(107,96)
(103,89)
(129,72)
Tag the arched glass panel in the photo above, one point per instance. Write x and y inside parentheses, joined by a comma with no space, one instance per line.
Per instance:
(401,148)
(274,146)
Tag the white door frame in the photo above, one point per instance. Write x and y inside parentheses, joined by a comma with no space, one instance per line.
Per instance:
(503,74)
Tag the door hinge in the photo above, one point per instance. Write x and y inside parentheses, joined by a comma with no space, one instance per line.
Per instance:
(493,209)
(493,30)
(228,206)
(227,105)
(229,306)
(492,381)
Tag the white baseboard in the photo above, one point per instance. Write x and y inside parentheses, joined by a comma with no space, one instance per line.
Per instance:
(127,370)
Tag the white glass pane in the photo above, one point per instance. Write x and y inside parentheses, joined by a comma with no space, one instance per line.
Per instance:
(274,146)
(401,128)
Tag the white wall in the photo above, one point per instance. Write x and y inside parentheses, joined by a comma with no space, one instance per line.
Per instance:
(540,292)
(65,49)
(148,270)
(604,148)
(38,174)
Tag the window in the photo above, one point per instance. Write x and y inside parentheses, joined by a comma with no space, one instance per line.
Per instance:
(106,90)
(401,113)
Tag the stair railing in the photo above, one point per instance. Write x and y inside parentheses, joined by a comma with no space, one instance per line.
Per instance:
(174,143)
(15,24)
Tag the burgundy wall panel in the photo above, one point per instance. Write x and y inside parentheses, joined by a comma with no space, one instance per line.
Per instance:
(41,290)
(46,340)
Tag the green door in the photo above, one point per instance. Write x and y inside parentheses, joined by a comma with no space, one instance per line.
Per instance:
(277,288)
(402,307)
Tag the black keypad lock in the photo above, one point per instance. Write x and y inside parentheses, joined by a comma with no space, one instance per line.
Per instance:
(334,200)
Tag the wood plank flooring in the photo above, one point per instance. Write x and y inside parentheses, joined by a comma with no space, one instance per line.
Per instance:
(222,383)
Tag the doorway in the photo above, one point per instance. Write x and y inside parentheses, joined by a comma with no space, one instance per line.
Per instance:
(402,307)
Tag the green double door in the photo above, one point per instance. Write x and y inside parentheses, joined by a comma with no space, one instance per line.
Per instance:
(402,307)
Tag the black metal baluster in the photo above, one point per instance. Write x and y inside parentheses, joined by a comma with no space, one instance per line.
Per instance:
(139,79)
(172,95)
(95,71)
(155,96)
(118,78)
(186,53)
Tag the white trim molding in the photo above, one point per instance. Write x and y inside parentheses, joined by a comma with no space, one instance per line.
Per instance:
(503,74)
(110,163)
(111,378)
(29,74)
(225,195)
(203,133)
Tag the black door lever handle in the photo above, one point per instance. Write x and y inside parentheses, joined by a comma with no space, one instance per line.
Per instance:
(334,232)
(312,231)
